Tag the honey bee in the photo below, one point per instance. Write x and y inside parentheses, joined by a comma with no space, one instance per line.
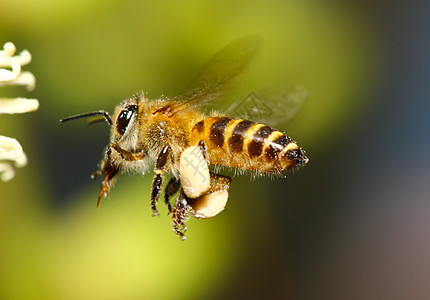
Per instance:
(176,136)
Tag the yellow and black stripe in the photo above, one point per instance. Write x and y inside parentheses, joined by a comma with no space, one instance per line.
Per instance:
(247,145)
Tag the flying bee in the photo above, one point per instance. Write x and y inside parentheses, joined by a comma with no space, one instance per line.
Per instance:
(178,138)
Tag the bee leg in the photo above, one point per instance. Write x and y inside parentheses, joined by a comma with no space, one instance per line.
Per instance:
(171,188)
(214,200)
(180,215)
(219,182)
(202,146)
(106,185)
(127,155)
(158,178)
(110,171)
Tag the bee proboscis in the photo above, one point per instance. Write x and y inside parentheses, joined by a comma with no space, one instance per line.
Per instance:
(176,136)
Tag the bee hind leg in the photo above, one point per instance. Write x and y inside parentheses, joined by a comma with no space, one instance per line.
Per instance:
(219,182)
(171,188)
(214,200)
(180,215)
(202,146)
(158,178)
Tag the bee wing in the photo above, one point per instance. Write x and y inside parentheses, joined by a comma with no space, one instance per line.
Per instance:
(220,69)
(272,105)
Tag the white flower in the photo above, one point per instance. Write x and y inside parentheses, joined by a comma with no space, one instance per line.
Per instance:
(11,153)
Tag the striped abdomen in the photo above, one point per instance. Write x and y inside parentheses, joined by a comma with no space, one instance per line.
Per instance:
(247,145)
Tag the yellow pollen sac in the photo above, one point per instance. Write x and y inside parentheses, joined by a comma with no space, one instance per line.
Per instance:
(210,205)
(194,172)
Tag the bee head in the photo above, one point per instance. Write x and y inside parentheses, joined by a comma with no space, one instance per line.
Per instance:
(125,116)
(125,122)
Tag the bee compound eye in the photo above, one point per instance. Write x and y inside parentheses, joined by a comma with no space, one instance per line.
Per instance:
(124,118)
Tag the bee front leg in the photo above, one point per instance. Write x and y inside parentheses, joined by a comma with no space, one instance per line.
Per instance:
(110,169)
(107,183)
(127,155)
(171,188)
(158,178)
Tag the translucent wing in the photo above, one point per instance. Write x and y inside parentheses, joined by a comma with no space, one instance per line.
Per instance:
(210,83)
(272,105)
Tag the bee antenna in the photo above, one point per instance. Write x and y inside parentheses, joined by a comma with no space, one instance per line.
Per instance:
(90,114)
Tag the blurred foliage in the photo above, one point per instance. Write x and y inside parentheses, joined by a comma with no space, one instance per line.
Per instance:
(89,55)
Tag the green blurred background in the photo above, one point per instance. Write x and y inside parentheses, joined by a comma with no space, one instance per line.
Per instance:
(352,224)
